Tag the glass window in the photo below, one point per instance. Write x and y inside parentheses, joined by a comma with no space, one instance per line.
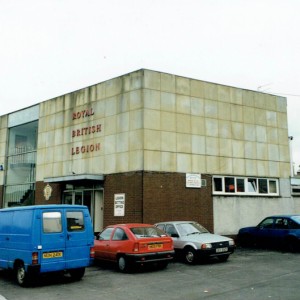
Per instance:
(75,220)
(170,229)
(52,222)
(267,223)
(21,165)
(142,232)
(119,235)
(240,185)
(263,186)
(252,185)
(218,186)
(229,185)
(273,186)
(105,234)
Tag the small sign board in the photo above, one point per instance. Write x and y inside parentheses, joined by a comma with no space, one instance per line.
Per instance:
(193,180)
(119,205)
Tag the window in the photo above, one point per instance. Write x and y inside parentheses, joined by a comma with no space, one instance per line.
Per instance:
(75,221)
(52,222)
(245,186)
(119,235)
(105,234)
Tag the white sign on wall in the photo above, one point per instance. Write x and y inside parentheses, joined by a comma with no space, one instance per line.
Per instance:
(119,205)
(193,180)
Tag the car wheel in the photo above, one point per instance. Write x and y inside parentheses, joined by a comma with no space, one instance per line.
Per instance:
(22,276)
(77,274)
(123,264)
(223,258)
(190,255)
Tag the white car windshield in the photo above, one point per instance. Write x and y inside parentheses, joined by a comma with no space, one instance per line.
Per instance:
(191,228)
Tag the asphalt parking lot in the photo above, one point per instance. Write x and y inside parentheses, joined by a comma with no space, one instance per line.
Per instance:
(248,274)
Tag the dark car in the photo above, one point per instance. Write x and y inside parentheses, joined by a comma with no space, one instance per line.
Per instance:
(129,245)
(282,231)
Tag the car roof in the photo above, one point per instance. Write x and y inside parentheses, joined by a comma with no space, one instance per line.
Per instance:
(130,225)
(282,216)
(177,222)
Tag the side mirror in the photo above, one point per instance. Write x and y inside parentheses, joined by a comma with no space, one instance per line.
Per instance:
(175,235)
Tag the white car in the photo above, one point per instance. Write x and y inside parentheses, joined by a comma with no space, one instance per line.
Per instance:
(194,242)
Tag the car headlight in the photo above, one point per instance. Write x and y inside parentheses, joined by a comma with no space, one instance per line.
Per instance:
(231,243)
(206,246)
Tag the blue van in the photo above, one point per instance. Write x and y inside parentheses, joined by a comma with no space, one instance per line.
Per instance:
(46,238)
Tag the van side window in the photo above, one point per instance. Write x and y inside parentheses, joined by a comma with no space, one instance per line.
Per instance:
(52,222)
(75,220)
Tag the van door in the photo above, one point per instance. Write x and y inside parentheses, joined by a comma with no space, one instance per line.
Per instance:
(53,238)
(79,239)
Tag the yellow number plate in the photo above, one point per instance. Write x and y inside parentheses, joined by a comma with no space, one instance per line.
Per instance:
(155,246)
(52,254)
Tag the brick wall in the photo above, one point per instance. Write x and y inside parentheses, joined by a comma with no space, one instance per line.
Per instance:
(166,198)
(130,184)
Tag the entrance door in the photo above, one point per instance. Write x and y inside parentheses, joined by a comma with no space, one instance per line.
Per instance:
(93,199)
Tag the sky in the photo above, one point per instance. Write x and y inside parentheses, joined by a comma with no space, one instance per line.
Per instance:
(52,47)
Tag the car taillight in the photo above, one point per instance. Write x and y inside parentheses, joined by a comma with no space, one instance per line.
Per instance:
(136,247)
(35,258)
(92,252)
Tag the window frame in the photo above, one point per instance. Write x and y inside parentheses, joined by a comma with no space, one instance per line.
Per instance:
(228,185)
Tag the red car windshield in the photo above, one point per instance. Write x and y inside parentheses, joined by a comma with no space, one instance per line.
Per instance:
(145,232)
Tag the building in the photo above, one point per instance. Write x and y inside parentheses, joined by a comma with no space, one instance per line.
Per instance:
(149,146)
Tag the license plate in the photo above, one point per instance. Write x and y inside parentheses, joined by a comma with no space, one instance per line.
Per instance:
(52,254)
(225,249)
(155,246)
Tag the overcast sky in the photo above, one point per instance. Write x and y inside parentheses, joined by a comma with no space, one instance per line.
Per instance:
(52,47)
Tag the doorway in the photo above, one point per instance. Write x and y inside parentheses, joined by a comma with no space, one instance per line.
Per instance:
(93,199)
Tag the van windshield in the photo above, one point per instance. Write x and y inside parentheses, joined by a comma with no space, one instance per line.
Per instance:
(52,222)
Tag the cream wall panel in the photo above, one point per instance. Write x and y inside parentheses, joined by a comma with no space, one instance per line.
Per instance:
(184,143)
(152,119)
(283,137)
(168,161)
(110,106)
(262,151)
(197,125)
(211,109)
(136,140)
(211,127)
(184,162)
(110,163)
(238,166)
(136,119)
(260,101)
(260,117)
(273,151)
(123,122)
(152,80)
(182,85)
(168,121)
(238,131)
(152,160)
(274,170)
(263,168)
(284,153)
(113,87)
(152,140)
(197,88)
(225,147)
(198,144)
(213,164)
(212,146)
(122,164)
(198,164)
(282,120)
(226,166)
(261,134)
(224,112)
(271,118)
(250,150)
(237,113)
(210,91)
(238,149)
(110,144)
(183,104)
(168,83)
(248,98)
(110,125)
(197,106)
(136,100)
(251,167)
(122,142)
(183,123)
(168,102)
(151,99)
(281,104)
(168,141)
(272,135)
(223,93)
(136,161)
(250,132)
(236,95)
(249,115)
(123,103)
(225,129)
(285,169)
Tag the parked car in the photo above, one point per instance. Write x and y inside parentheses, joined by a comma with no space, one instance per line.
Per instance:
(282,231)
(134,244)
(194,243)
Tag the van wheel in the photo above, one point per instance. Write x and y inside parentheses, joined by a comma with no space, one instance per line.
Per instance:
(22,275)
(77,274)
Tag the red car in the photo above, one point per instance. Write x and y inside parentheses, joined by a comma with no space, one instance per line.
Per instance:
(134,244)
